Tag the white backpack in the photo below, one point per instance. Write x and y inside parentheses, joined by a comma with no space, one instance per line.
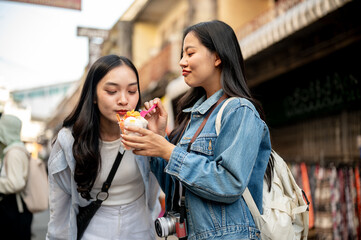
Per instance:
(36,192)
(285,212)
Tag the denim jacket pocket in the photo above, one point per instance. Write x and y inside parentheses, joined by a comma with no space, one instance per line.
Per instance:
(203,144)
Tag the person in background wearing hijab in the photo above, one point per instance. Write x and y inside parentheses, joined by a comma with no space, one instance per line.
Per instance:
(15,218)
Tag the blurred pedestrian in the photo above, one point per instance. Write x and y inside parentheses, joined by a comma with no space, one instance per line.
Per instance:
(213,169)
(84,152)
(15,218)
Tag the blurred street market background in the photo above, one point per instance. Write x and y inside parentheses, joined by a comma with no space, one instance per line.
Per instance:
(299,57)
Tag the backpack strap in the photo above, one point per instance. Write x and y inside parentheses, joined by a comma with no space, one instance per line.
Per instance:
(250,203)
(219,114)
(246,194)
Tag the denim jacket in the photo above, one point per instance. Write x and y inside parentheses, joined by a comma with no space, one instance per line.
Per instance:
(217,169)
(65,199)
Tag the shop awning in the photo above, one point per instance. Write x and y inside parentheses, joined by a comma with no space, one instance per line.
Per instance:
(300,15)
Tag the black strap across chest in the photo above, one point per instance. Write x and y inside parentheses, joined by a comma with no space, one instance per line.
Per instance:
(103,194)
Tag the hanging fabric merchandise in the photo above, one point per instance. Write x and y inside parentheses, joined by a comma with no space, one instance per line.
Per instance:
(311,172)
(322,207)
(336,199)
(352,209)
(335,204)
(341,177)
(358,194)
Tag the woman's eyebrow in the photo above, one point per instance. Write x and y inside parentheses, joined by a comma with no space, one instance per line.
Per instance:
(111,83)
(188,47)
(116,84)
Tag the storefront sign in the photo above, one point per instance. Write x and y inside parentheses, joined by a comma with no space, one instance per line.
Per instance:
(71,4)
(92,32)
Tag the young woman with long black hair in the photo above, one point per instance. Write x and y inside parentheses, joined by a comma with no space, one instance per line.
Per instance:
(213,169)
(84,152)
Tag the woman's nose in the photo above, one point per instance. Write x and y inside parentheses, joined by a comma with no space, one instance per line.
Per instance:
(183,62)
(122,100)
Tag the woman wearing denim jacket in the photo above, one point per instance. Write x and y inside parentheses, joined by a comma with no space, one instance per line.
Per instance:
(84,152)
(215,170)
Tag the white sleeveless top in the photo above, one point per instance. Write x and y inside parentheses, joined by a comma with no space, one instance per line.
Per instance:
(127,185)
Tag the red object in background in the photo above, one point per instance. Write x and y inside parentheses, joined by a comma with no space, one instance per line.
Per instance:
(181,229)
(307,189)
(358,194)
(162,204)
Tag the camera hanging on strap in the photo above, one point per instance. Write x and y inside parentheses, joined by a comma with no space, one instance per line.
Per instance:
(175,221)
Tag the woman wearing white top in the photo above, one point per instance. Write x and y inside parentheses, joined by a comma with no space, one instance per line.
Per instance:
(84,152)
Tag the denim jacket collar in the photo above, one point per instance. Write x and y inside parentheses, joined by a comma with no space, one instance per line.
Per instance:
(203,104)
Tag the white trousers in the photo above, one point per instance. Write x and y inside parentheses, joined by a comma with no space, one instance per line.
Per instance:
(126,222)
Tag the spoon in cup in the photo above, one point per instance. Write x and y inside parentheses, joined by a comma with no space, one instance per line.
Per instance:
(145,112)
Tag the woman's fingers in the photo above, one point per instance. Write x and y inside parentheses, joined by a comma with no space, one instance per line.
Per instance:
(146,105)
(160,107)
(132,145)
(147,143)
(135,140)
(130,142)
(135,129)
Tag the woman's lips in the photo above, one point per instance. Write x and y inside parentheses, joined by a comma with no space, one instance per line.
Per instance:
(122,112)
(185,73)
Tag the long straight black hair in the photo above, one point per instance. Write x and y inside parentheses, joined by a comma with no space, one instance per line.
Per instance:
(218,37)
(84,121)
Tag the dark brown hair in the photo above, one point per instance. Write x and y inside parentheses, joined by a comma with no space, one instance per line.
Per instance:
(84,121)
(218,37)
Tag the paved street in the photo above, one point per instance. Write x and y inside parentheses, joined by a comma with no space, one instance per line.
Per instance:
(39,226)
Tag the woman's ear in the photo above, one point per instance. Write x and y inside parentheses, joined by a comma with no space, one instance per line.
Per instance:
(217,61)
